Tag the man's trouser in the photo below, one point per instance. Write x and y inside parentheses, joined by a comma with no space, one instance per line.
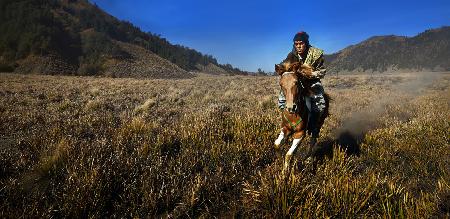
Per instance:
(315,107)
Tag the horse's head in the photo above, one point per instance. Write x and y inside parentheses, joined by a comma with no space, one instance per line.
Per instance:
(291,75)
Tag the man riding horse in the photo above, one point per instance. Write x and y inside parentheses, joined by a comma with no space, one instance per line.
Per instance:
(305,54)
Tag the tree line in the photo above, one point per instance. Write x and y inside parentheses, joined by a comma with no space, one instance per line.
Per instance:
(83,34)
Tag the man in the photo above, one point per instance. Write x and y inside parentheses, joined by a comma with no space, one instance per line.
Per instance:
(304,53)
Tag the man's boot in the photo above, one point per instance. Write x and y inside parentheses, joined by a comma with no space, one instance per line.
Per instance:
(313,127)
(313,141)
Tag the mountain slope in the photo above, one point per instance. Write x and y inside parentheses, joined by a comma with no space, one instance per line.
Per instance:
(83,39)
(142,63)
(429,50)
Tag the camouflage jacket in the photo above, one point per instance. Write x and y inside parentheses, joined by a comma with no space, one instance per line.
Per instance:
(314,58)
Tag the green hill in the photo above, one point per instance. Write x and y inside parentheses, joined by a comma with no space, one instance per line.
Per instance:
(77,37)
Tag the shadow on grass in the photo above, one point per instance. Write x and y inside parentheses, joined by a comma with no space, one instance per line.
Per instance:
(346,141)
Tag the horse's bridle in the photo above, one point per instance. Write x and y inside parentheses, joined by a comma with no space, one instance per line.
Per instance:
(301,84)
(293,125)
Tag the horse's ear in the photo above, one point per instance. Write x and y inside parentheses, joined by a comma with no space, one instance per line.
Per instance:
(279,69)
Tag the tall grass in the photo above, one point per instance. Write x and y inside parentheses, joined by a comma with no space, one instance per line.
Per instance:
(202,147)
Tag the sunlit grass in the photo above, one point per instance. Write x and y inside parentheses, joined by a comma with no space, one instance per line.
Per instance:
(202,147)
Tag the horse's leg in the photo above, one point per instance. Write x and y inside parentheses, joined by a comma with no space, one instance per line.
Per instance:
(291,152)
(280,138)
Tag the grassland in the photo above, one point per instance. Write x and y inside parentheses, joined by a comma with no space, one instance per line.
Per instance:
(202,147)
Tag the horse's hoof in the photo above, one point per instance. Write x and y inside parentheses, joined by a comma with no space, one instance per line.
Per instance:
(278,142)
(276,146)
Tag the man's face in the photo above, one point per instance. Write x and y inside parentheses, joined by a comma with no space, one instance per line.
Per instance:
(300,46)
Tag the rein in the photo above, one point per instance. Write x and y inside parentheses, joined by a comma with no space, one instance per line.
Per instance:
(287,72)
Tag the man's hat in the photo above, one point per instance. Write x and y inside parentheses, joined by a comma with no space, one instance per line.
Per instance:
(302,36)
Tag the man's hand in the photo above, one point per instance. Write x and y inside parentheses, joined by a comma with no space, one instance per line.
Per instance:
(319,74)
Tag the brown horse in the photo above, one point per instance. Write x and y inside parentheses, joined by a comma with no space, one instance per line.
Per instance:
(295,115)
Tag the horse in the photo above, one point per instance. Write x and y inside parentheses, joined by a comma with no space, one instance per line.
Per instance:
(294,118)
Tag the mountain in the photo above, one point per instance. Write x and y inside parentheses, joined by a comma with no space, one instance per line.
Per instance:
(77,37)
(429,50)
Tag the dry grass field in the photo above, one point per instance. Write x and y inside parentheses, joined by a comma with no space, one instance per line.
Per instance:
(202,147)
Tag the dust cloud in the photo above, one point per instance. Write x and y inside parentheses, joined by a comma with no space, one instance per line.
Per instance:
(354,127)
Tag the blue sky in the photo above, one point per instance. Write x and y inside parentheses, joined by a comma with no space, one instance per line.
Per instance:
(257,34)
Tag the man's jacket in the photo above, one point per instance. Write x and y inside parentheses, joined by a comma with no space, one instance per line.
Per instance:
(314,58)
